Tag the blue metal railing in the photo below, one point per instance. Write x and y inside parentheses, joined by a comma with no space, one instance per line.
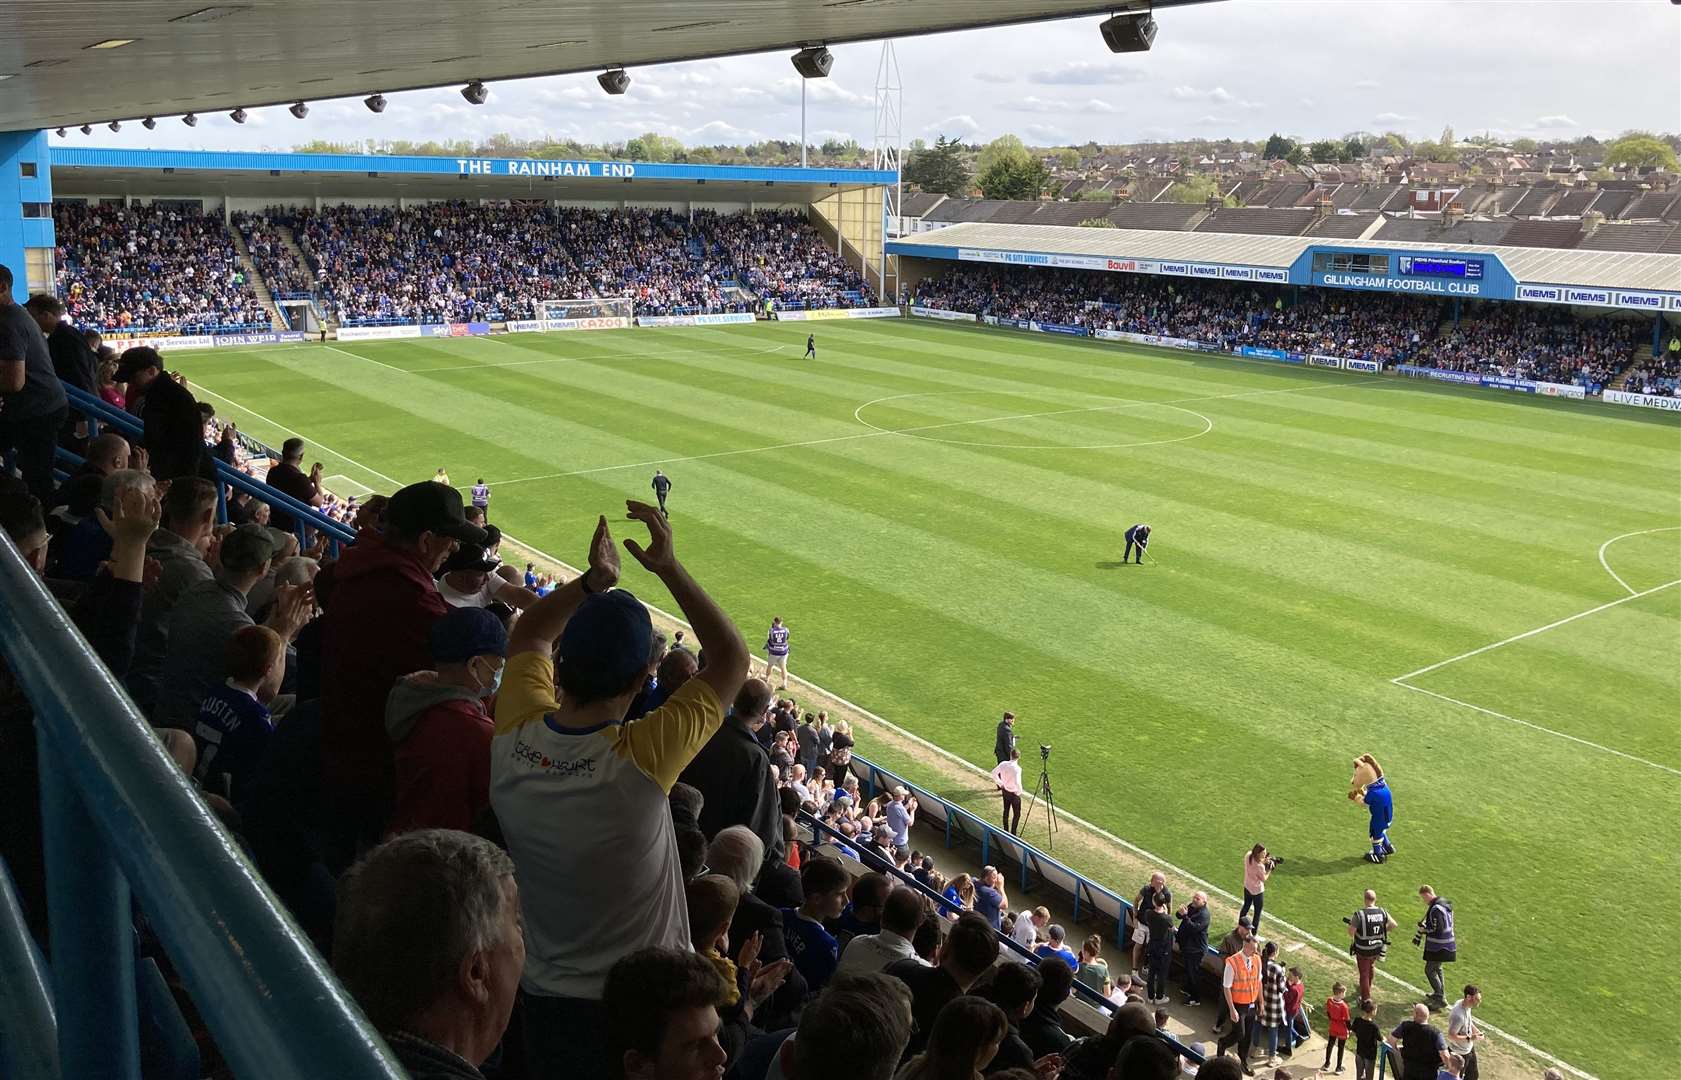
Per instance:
(1081,991)
(306,517)
(120,817)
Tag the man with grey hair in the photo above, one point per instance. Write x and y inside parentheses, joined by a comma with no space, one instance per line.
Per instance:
(738,854)
(428,940)
(189,518)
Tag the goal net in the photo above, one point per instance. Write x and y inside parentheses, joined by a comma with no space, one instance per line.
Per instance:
(605,307)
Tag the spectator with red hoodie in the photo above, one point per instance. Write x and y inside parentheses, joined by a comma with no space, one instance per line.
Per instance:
(439,727)
(376,630)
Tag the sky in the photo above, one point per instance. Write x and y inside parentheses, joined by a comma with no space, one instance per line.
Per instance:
(1242,69)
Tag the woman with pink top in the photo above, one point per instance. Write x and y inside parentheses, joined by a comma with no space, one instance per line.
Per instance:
(1257,867)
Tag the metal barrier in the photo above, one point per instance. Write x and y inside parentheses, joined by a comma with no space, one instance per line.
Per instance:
(1081,992)
(305,517)
(118,815)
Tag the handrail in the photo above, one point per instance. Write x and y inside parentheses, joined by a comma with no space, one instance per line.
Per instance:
(306,515)
(28,1028)
(1080,990)
(118,813)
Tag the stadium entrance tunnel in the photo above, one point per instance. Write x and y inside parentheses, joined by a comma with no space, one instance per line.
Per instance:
(1004,420)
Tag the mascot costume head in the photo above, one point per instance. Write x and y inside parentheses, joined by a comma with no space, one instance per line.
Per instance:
(1369,787)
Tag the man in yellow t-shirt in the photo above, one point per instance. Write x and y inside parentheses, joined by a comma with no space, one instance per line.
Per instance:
(581,795)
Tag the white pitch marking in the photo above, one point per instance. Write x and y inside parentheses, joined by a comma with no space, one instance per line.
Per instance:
(544,360)
(1531,633)
(369,359)
(879,432)
(1538,727)
(1625,536)
(299,434)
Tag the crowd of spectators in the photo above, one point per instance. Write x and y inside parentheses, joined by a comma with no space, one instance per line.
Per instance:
(1516,340)
(158,267)
(281,271)
(1527,341)
(780,256)
(1660,376)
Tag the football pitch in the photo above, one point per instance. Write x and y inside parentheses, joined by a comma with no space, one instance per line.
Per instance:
(1481,590)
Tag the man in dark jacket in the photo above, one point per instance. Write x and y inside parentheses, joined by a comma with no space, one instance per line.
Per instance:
(381,604)
(1439,945)
(74,361)
(733,772)
(174,425)
(428,941)
(1193,943)
(1006,738)
(291,479)
(1042,1029)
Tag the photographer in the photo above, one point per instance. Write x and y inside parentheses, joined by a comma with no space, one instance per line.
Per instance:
(1369,930)
(1008,778)
(1435,933)
(1257,867)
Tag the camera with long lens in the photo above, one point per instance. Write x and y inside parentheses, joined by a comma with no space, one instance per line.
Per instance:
(1044,751)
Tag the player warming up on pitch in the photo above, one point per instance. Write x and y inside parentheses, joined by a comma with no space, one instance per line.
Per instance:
(776,650)
(1137,536)
(661,485)
(811,346)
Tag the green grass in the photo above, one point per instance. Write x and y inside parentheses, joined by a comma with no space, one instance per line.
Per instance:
(1318,534)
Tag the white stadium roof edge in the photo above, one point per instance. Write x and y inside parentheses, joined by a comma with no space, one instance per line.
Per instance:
(72,62)
(1555,266)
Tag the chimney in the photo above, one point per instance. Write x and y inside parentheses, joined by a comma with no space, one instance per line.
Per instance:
(1322,209)
(1591,221)
(1453,214)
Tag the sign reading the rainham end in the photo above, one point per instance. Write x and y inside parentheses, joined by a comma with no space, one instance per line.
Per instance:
(537,167)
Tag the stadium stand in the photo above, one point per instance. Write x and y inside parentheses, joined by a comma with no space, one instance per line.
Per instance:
(158,268)
(281,270)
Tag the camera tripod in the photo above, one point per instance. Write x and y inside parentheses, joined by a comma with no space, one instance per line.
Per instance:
(1042,790)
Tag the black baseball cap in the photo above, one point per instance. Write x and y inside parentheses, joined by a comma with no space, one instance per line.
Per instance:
(470,557)
(432,507)
(610,637)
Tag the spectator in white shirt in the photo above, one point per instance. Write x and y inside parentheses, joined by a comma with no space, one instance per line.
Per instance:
(1029,926)
(901,815)
(1008,778)
(869,953)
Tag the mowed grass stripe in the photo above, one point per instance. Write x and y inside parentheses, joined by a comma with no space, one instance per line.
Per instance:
(1197,706)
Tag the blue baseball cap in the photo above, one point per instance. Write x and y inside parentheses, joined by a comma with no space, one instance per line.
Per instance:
(606,642)
(462,633)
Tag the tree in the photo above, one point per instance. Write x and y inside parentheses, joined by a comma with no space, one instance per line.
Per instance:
(1005,147)
(1297,155)
(1640,150)
(1353,149)
(1098,223)
(1278,147)
(1447,138)
(652,146)
(1523,146)
(1067,158)
(939,168)
(1325,151)
(1096,194)
(1394,142)
(1193,189)
(1015,177)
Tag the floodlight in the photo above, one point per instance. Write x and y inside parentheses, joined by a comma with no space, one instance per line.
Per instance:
(115,126)
(237,116)
(299,110)
(814,63)
(87,129)
(149,124)
(614,80)
(375,103)
(1129,33)
(61,133)
(191,120)
(475,92)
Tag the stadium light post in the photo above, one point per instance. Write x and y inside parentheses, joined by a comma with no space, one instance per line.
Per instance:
(812,62)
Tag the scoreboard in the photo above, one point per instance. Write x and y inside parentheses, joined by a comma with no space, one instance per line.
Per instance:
(1439,266)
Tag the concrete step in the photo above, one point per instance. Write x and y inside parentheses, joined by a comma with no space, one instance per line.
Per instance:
(258,285)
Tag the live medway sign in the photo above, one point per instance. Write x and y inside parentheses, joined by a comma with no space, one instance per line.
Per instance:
(600,170)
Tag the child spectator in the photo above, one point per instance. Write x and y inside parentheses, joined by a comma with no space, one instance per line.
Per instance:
(233,725)
(814,950)
(1336,1013)
(1366,1037)
(1296,1029)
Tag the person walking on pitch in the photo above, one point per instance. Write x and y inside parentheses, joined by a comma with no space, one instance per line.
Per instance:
(776,650)
(811,346)
(1139,536)
(661,485)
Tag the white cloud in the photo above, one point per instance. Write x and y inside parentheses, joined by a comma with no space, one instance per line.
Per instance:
(1045,135)
(1307,103)
(1215,121)
(1558,120)
(1086,73)
(1390,118)
(1365,84)
(720,132)
(961,126)
(1032,104)
(995,75)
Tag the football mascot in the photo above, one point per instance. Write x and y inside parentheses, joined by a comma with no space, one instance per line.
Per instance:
(1369,787)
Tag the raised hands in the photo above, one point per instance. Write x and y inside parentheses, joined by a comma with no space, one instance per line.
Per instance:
(658,557)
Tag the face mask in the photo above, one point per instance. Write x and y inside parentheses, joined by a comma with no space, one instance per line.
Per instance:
(495,684)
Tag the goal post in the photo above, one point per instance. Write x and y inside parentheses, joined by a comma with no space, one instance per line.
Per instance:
(603,307)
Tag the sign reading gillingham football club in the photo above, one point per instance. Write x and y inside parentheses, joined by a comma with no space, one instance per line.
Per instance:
(536,167)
